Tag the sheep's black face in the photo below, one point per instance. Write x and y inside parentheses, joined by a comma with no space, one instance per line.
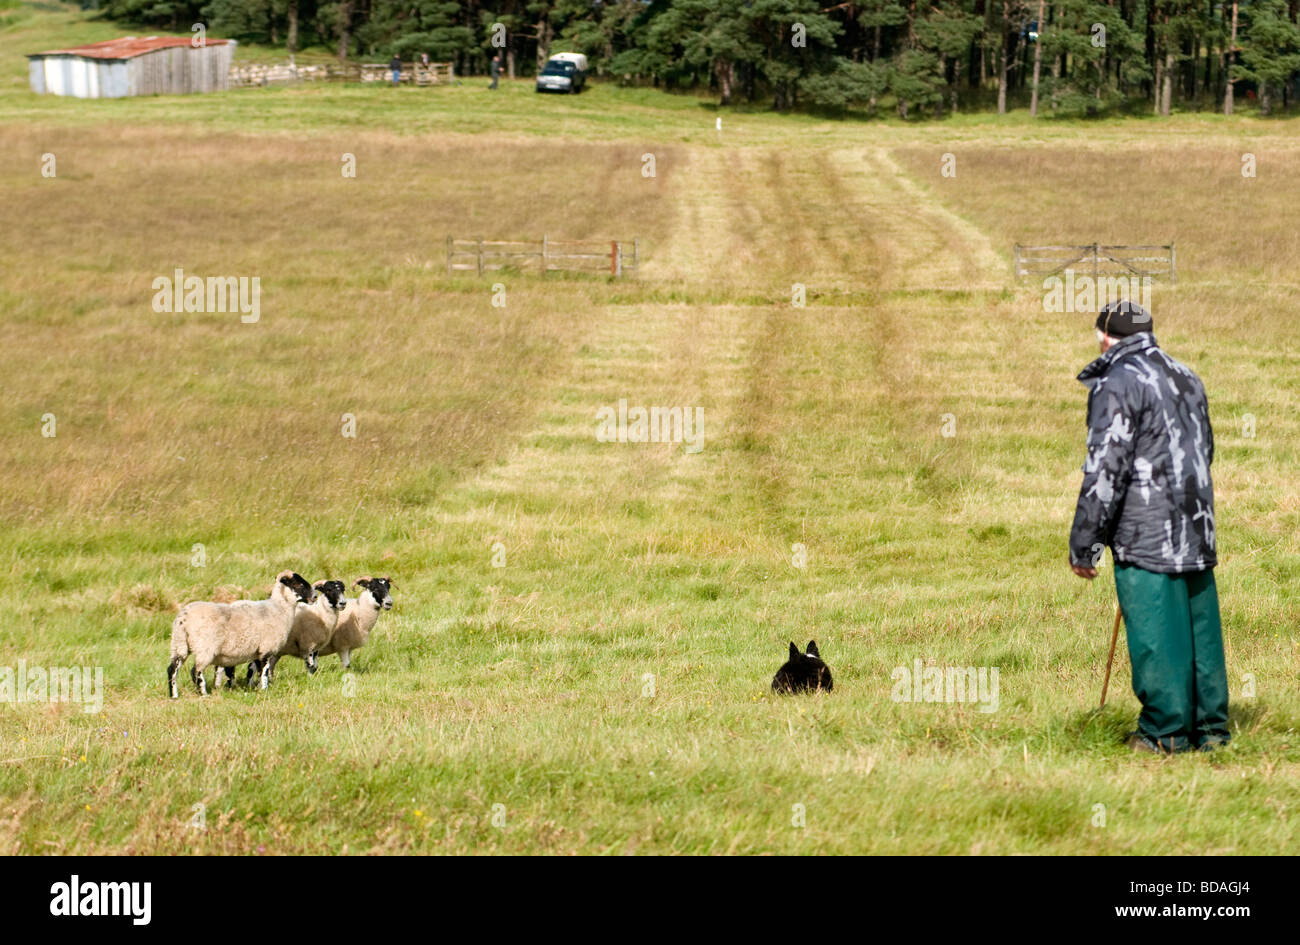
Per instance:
(333,591)
(380,587)
(298,584)
(379,590)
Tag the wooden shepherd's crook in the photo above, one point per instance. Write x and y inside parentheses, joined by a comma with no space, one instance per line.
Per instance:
(1114,637)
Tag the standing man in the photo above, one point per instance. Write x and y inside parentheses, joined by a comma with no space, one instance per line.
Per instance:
(496,70)
(1147,495)
(395,64)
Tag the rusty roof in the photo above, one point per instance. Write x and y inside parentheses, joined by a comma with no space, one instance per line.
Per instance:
(126,47)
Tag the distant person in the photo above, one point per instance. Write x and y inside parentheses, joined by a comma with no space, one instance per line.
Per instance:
(496,70)
(1147,495)
(395,64)
(424,59)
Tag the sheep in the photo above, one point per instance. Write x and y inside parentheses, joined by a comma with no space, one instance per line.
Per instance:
(313,625)
(358,618)
(226,635)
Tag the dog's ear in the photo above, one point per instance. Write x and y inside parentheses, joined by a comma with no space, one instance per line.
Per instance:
(794,651)
(812,649)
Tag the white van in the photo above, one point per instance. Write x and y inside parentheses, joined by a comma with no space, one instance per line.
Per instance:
(563,72)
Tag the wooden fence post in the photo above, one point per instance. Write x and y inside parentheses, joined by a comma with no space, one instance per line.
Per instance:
(1096,265)
(636,254)
(1173,272)
(546,263)
(480,257)
(615,259)
(449,255)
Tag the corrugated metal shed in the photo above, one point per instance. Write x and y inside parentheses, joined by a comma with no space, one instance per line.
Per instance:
(154,65)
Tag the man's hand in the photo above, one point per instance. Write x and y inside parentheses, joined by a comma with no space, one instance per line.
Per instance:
(1083,572)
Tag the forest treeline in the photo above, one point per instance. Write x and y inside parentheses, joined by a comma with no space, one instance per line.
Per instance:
(918,56)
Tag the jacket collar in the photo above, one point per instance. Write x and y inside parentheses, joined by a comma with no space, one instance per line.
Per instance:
(1143,340)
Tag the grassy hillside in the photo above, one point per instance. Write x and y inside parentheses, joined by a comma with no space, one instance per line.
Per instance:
(584,632)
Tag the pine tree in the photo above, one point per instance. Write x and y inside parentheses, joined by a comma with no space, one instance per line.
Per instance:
(1270,49)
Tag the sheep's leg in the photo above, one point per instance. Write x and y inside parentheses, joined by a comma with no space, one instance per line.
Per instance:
(173,670)
(312,662)
(271,661)
(266,674)
(200,683)
(346,657)
(254,668)
(223,674)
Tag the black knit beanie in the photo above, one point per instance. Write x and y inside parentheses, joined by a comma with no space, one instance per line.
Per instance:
(1123,318)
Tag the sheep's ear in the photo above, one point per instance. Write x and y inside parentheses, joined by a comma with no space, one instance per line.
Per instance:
(812,649)
(794,651)
(363,582)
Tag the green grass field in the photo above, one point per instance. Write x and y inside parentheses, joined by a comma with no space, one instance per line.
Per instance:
(607,685)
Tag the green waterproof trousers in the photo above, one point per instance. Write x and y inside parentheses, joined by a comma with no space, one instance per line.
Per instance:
(1175,642)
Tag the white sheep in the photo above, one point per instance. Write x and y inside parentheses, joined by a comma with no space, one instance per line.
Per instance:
(226,635)
(313,625)
(358,618)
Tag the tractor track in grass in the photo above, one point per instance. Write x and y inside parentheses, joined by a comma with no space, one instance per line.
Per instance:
(928,246)
(750,222)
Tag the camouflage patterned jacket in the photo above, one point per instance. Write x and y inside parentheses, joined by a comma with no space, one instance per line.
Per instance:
(1146,481)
